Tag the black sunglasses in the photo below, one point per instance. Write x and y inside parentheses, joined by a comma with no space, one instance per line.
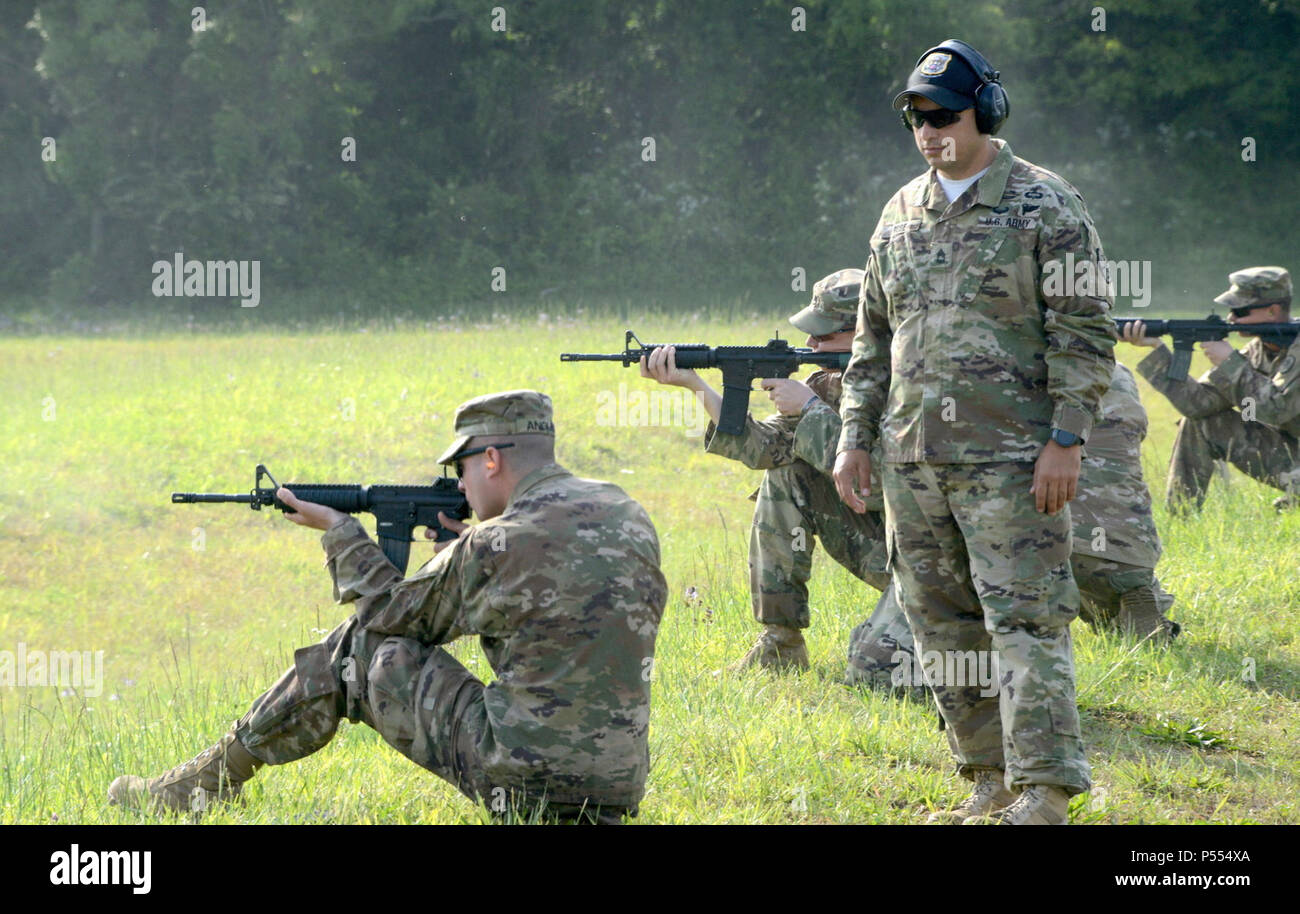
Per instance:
(830,336)
(1243,310)
(471,452)
(939,118)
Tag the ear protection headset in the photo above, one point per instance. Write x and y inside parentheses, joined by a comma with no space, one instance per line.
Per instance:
(992,106)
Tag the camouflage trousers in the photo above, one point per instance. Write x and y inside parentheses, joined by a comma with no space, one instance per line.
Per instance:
(418,697)
(1264,453)
(880,645)
(983,576)
(796,503)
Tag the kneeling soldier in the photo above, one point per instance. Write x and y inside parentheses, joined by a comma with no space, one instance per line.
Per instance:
(797,499)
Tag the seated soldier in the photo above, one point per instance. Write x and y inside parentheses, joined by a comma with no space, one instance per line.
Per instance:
(561,582)
(1246,409)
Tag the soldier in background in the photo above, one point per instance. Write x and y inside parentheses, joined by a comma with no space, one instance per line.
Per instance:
(1116,546)
(797,500)
(1246,409)
(561,582)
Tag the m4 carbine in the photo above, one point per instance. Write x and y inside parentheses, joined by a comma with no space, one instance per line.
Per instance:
(740,366)
(398,510)
(1188,332)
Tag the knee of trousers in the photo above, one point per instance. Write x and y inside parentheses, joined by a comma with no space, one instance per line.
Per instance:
(391,679)
(782,501)
(299,714)
(1043,606)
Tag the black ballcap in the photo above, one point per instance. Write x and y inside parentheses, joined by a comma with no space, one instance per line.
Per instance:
(944,78)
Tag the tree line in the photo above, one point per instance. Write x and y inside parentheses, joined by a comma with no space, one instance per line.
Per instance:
(414,152)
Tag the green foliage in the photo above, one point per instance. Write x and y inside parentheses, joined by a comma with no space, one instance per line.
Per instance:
(523,148)
(1190,733)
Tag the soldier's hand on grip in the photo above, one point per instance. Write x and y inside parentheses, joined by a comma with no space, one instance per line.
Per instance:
(852,474)
(457,527)
(788,395)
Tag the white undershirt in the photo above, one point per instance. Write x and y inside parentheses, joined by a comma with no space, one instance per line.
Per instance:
(955,189)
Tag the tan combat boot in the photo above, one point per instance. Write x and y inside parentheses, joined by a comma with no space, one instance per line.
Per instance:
(214,775)
(1140,615)
(778,648)
(990,795)
(1038,804)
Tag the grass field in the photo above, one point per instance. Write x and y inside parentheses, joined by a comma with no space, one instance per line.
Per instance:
(197,608)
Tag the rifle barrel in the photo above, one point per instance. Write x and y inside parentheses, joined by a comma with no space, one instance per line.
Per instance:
(200,497)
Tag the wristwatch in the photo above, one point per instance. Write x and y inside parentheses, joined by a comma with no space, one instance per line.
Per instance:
(1064,438)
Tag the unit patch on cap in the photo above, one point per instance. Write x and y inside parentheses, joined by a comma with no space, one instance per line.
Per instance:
(935,64)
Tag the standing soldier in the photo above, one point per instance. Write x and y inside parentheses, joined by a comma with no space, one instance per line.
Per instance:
(1246,409)
(981,385)
(797,498)
(561,583)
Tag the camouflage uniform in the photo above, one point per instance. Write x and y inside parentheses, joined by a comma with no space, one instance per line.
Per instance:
(963,362)
(797,499)
(1116,546)
(1213,428)
(565,593)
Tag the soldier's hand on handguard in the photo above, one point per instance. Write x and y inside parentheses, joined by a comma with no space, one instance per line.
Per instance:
(789,395)
(1056,474)
(460,528)
(662,367)
(1135,333)
(852,474)
(309,514)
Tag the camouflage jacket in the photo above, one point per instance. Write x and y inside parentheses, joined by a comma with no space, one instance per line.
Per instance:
(1112,511)
(1269,377)
(781,440)
(565,593)
(963,353)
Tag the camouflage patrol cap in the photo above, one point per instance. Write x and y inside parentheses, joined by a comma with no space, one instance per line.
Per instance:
(1257,287)
(834,304)
(512,412)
